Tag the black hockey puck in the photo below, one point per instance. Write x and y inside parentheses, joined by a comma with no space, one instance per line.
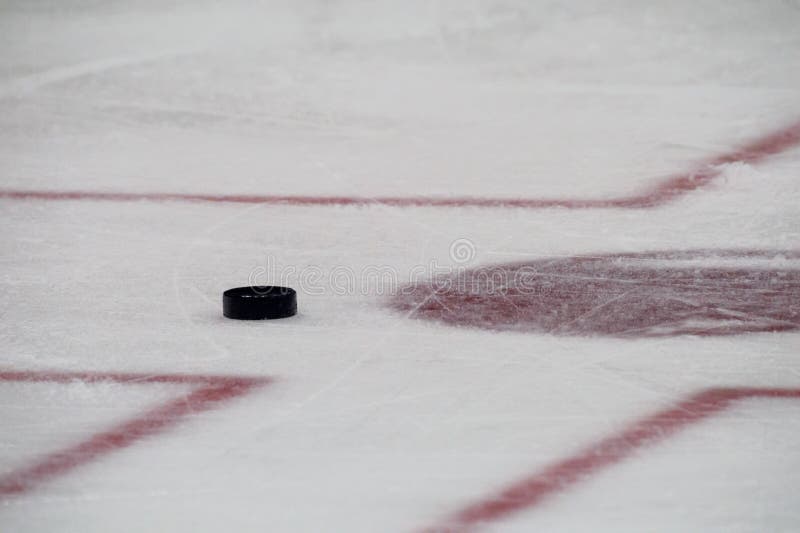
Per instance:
(259,302)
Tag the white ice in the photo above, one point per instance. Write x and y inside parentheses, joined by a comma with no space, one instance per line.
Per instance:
(376,422)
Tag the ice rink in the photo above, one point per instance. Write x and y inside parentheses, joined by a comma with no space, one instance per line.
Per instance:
(547,257)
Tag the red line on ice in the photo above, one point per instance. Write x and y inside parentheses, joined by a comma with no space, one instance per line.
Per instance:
(670,188)
(529,492)
(210,392)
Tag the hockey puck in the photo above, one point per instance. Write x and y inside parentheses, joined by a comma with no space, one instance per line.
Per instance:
(259,302)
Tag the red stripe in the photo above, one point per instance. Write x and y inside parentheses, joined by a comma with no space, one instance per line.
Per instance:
(531,491)
(213,391)
(665,191)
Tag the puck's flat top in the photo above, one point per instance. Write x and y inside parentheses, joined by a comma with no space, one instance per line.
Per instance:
(259,302)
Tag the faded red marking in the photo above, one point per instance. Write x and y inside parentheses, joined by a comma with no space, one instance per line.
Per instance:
(670,188)
(531,491)
(211,391)
(623,295)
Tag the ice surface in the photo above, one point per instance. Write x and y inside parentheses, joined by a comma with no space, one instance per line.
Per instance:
(376,422)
